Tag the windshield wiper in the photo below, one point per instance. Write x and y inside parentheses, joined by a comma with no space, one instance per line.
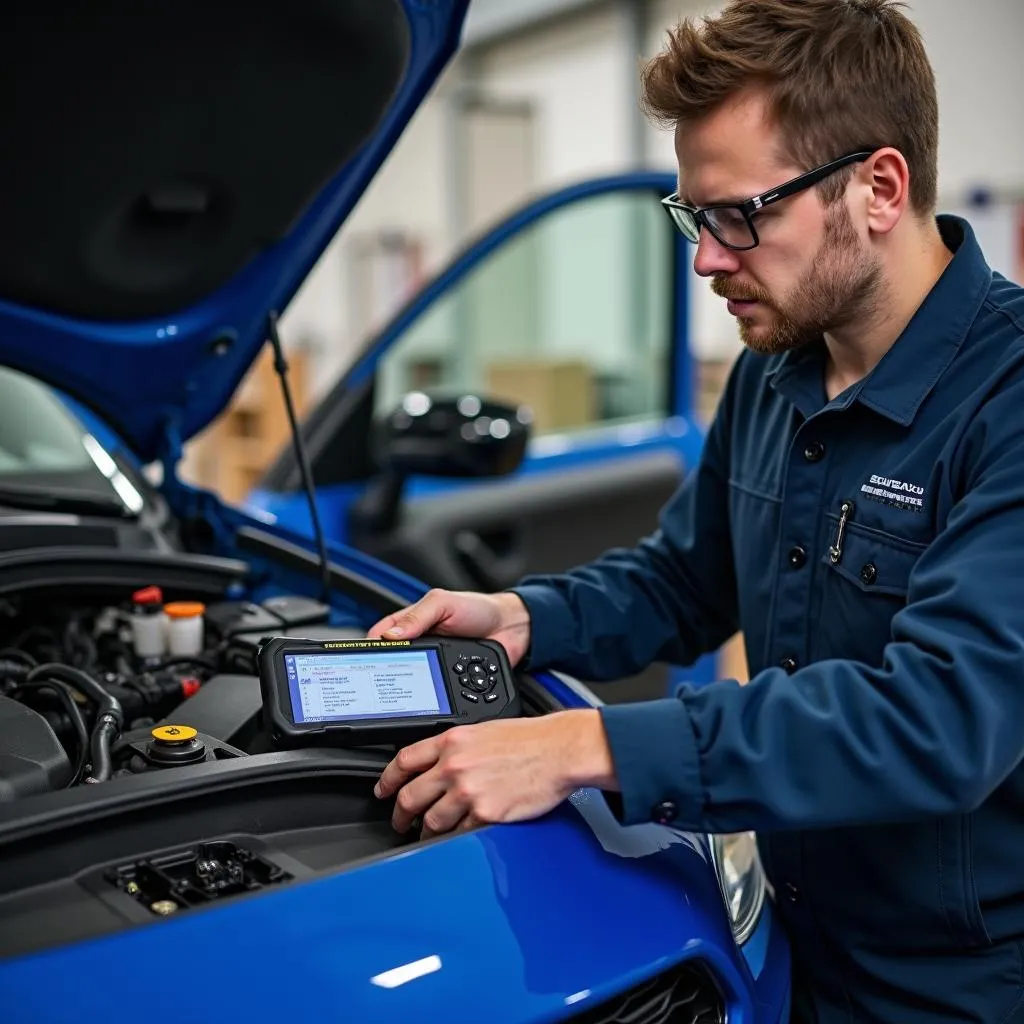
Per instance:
(61,499)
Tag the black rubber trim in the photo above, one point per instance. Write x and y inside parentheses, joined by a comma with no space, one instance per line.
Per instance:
(39,568)
(87,805)
(536,700)
(291,556)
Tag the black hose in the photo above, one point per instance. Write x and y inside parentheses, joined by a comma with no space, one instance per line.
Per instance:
(19,655)
(63,694)
(106,703)
(109,714)
(103,735)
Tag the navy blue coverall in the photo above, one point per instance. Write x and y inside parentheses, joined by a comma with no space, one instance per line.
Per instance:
(871,548)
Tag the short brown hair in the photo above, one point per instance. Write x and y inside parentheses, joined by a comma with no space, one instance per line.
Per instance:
(841,75)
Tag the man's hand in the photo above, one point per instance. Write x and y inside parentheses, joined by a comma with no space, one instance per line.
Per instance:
(501,617)
(497,771)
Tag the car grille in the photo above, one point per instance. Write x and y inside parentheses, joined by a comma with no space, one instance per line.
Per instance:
(682,995)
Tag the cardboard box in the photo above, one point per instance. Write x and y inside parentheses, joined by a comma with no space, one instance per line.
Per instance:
(561,393)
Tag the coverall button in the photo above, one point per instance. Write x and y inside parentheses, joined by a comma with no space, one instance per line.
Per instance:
(869,573)
(664,812)
(788,664)
(814,451)
(797,557)
(792,893)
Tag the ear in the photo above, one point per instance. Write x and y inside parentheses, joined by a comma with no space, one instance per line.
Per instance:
(886,178)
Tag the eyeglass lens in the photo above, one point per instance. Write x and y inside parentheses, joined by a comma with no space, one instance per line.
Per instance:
(727,224)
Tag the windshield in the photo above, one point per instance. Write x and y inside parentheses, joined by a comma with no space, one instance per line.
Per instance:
(43,445)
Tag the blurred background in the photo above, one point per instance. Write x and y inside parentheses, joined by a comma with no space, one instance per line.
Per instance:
(543,95)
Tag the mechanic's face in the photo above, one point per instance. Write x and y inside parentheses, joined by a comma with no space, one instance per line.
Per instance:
(812,272)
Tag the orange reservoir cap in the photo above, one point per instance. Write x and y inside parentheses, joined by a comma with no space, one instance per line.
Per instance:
(184,609)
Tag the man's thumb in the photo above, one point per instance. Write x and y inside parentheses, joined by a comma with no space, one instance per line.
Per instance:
(408,623)
(415,620)
(393,626)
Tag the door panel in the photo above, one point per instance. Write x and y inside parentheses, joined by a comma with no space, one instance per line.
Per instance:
(487,537)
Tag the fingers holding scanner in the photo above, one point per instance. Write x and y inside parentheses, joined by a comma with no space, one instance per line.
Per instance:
(408,774)
(413,621)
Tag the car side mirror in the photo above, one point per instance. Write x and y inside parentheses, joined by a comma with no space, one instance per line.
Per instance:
(467,436)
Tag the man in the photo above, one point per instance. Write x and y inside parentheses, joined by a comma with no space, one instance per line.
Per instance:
(858,512)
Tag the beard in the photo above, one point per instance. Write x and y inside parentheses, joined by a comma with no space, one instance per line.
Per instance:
(843,284)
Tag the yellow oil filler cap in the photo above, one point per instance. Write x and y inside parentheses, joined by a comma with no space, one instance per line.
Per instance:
(174,745)
(174,734)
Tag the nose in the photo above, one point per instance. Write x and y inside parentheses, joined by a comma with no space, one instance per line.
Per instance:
(714,258)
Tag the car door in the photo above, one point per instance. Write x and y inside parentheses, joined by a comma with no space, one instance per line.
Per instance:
(576,306)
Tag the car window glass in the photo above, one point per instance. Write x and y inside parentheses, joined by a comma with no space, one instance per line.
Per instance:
(572,316)
(37,433)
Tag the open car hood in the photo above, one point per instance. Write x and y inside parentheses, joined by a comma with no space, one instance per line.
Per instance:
(173,172)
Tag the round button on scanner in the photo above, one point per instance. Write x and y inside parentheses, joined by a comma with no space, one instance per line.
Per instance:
(814,452)
(664,812)
(459,667)
(797,557)
(869,573)
(788,664)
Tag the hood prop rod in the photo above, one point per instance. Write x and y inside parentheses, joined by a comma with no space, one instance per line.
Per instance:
(281,368)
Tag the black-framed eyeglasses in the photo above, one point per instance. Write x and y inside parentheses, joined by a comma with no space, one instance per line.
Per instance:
(732,224)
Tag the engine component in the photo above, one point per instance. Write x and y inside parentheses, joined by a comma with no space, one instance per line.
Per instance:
(230,618)
(95,677)
(153,693)
(149,623)
(109,716)
(227,706)
(296,611)
(195,876)
(184,627)
(31,757)
(174,745)
(227,618)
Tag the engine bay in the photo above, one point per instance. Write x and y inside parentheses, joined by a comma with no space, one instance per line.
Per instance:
(137,779)
(91,693)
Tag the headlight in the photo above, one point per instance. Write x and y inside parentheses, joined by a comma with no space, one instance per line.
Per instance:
(741,879)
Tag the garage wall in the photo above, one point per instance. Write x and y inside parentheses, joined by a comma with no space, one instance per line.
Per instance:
(577,75)
(573,74)
(408,201)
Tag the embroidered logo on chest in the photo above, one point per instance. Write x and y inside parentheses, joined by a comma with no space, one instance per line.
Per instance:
(896,493)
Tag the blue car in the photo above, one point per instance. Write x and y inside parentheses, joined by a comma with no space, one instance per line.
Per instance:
(168,838)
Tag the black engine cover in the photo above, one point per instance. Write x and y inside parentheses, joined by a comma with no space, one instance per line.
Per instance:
(31,757)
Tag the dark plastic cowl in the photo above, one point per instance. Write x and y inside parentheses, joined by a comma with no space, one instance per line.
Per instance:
(31,757)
